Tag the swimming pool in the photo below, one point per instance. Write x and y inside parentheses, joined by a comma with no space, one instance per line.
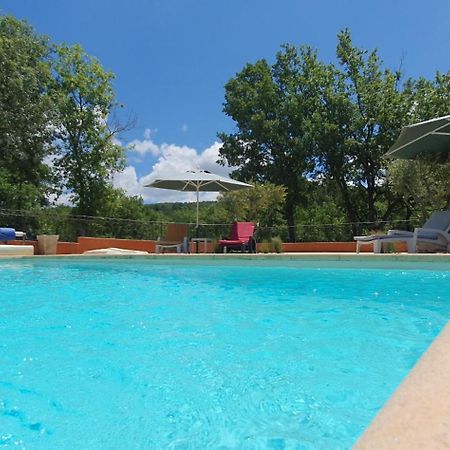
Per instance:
(186,354)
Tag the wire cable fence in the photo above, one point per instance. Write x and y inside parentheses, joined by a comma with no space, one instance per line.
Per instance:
(69,227)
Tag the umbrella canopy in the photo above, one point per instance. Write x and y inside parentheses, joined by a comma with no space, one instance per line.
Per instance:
(431,137)
(201,181)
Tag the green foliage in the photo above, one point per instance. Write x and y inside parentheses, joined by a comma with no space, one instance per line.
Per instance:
(184,212)
(322,218)
(263,204)
(47,226)
(362,113)
(86,154)
(25,109)
(276,244)
(272,107)
(265,246)
(18,195)
(428,98)
(301,119)
(424,185)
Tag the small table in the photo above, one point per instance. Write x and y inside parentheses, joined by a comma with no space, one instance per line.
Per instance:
(205,243)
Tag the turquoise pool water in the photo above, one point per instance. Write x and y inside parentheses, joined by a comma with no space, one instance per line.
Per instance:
(142,355)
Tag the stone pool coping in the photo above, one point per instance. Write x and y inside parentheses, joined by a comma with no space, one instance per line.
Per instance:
(417,416)
(418,413)
(332,256)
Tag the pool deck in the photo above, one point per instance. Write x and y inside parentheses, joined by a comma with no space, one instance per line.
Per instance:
(417,416)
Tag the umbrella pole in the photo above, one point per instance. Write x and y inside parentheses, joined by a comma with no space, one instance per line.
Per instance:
(196,228)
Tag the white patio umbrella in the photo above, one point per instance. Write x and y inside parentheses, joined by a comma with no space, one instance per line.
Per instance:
(200,181)
(420,139)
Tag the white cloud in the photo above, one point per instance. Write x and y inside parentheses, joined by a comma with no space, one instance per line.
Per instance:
(145,145)
(171,159)
(128,181)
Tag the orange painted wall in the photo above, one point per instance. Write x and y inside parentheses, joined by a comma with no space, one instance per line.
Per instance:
(63,248)
(68,248)
(320,247)
(91,243)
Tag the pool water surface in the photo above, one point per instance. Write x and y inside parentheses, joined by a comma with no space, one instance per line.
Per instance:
(115,354)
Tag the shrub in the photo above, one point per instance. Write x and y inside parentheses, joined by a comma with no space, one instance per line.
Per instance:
(265,247)
(276,244)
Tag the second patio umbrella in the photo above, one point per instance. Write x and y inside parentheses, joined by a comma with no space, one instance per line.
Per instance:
(431,137)
(200,181)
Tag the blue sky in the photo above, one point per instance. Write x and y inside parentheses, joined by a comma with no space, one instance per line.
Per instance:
(172,58)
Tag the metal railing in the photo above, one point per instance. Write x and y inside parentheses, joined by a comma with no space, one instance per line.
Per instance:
(70,226)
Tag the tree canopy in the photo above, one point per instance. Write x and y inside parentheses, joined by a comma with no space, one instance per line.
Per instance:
(302,122)
(26,109)
(86,155)
(56,132)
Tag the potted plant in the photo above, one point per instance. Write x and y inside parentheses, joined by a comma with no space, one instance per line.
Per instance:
(47,239)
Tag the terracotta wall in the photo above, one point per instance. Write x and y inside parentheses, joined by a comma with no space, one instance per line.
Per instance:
(68,248)
(321,247)
(91,243)
(88,243)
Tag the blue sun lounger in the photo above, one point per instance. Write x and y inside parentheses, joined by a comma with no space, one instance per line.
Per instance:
(10,234)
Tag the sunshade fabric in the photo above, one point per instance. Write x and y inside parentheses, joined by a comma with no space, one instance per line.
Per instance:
(424,138)
(202,181)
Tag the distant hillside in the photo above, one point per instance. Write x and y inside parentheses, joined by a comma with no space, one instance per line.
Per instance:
(182,211)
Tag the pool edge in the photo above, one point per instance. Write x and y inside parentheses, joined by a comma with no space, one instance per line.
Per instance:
(333,256)
(417,415)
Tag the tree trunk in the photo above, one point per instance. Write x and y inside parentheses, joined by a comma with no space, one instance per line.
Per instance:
(292,232)
(349,207)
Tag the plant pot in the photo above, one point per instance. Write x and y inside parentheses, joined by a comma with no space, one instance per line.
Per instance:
(47,243)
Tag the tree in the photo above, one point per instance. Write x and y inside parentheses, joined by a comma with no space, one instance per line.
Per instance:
(26,108)
(121,216)
(363,110)
(87,154)
(428,98)
(273,107)
(423,184)
(302,120)
(263,204)
(323,219)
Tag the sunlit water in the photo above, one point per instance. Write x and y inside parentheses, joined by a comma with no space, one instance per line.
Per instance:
(138,355)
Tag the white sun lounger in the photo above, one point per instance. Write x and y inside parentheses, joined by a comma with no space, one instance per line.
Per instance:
(21,235)
(434,235)
(16,250)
